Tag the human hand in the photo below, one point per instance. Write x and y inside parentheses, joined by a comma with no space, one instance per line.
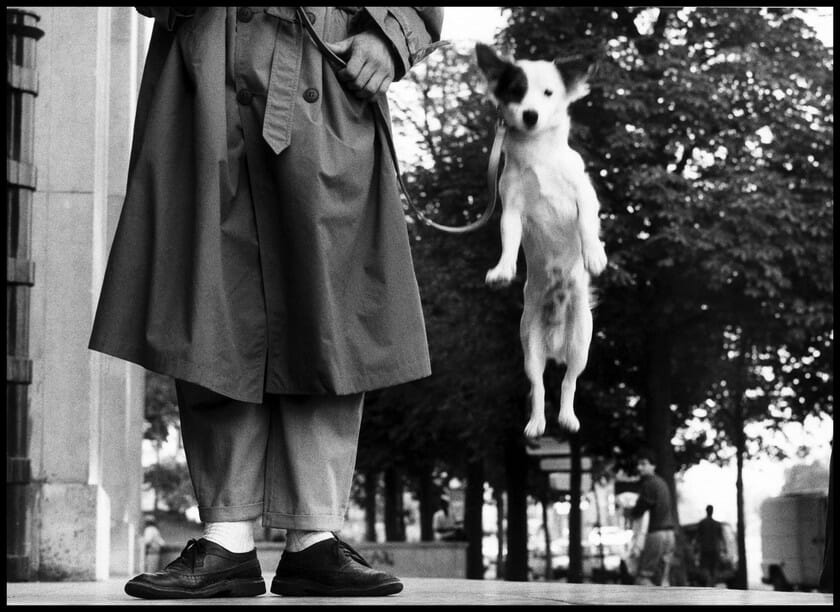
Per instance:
(370,66)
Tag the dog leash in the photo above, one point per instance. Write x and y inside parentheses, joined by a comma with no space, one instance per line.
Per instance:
(379,115)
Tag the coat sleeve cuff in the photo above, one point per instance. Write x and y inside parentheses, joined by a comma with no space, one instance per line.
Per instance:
(167,16)
(410,34)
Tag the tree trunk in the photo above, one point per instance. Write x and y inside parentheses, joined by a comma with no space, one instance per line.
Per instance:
(658,421)
(827,572)
(426,493)
(516,474)
(549,572)
(740,581)
(659,430)
(371,481)
(575,532)
(500,532)
(157,444)
(394,519)
(472,518)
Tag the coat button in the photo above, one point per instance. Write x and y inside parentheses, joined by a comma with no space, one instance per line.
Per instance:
(310,95)
(311,16)
(243,96)
(244,14)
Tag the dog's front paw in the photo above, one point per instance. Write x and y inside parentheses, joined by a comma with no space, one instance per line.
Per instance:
(594,258)
(535,428)
(500,276)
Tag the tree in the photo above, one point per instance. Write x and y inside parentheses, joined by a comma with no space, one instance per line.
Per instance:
(161,408)
(806,477)
(169,479)
(708,136)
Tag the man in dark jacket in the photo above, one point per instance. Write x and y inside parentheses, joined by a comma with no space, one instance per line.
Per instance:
(710,543)
(654,497)
(262,260)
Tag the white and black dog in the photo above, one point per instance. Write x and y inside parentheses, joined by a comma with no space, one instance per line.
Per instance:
(549,207)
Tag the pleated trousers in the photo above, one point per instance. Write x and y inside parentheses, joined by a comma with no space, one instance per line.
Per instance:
(288,460)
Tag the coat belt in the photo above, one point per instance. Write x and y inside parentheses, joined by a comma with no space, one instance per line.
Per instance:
(283,82)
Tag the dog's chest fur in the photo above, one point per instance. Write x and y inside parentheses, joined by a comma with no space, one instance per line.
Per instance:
(536,172)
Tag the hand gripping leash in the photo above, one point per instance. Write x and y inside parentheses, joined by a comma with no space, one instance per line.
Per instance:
(495,153)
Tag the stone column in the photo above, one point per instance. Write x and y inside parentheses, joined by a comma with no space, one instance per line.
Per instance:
(86,408)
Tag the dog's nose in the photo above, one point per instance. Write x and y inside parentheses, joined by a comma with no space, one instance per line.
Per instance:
(529,118)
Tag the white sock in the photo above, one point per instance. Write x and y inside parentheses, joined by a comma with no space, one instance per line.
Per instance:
(297,539)
(237,537)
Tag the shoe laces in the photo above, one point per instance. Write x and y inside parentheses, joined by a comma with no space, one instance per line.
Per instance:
(349,551)
(191,553)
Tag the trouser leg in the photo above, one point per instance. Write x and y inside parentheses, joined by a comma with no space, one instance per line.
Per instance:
(290,459)
(225,444)
(668,546)
(655,561)
(310,461)
(649,560)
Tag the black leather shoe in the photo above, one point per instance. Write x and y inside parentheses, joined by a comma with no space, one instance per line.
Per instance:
(204,569)
(331,567)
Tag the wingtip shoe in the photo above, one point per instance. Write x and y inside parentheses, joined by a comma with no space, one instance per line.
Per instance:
(331,568)
(204,569)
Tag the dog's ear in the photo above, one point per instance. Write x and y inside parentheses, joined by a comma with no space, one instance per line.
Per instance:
(490,64)
(575,70)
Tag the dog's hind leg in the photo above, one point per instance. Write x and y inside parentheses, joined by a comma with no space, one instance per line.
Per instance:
(532,334)
(579,335)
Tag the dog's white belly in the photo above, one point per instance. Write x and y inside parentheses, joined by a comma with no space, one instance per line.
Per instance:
(550,242)
(549,220)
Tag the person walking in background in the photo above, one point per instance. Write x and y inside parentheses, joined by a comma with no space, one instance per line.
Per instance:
(445,526)
(655,498)
(262,260)
(710,543)
(442,522)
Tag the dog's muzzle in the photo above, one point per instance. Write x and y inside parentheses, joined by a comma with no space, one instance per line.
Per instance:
(529,118)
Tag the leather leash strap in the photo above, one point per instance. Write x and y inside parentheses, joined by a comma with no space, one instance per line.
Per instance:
(495,152)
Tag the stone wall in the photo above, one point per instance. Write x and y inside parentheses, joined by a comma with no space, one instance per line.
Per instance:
(86,409)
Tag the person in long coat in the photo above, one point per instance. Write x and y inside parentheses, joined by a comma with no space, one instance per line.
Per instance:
(262,260)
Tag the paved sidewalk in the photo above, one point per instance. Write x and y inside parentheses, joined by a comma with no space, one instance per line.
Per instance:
(430,592)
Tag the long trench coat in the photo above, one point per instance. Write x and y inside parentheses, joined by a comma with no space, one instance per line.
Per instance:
(262,244)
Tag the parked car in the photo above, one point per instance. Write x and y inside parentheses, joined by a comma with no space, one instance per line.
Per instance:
(602,550)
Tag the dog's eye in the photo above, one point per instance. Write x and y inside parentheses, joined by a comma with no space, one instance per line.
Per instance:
(548,93)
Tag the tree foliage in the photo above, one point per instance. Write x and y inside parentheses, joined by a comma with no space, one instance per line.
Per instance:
(708,134)
(161,408)
(171,482)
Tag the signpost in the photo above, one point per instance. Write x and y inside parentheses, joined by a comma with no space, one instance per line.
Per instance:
(564,464)
(554,457)
(569,473)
